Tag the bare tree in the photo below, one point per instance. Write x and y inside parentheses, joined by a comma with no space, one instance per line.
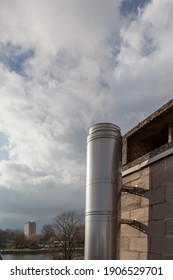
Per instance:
(67,227)
(33,242)
(47,232)
(19,239)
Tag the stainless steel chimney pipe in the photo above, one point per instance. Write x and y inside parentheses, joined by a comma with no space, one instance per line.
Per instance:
(103,182)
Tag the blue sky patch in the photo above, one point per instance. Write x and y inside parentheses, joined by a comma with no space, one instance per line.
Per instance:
(14,56)
(131,6)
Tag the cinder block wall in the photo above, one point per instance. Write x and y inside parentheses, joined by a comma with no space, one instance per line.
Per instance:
(151,236)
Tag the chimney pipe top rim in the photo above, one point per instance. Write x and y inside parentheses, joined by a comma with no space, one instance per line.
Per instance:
(104,126)
(104,130)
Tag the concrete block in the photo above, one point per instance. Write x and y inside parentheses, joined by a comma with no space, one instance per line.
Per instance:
(134,176)
(142,182)
(156,228)
(126,180)
(124,244)
(161,245)
(155,256)
(144,202)
(129,256)
(142,234)
(129,231)
(169,227)
(169,192)
(130,202)
(162,210)
(162,178)
(169,257)
(125,214)
(158,165)
(139,244)
(156,180)
(145,171)
(143,256)
(124,195)
(169,174)
(157,195)
(169,161)
(141,214)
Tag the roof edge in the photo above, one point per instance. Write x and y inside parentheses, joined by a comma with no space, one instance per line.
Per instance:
(150,118)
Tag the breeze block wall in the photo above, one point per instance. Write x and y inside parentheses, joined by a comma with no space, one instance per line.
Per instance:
(147,191)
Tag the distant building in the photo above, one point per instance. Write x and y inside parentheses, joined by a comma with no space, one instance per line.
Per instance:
(30,229)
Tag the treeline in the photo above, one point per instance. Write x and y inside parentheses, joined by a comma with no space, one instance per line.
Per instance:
(66,232)
(15,239)
(10,238)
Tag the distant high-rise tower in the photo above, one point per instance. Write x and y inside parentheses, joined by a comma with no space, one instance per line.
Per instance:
(30,229)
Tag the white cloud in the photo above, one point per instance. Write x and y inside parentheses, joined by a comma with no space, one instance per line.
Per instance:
(65,65)
(145,64)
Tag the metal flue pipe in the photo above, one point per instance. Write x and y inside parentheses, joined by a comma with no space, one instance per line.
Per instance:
(103,182)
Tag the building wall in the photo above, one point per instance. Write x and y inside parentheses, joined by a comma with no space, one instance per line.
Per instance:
(151,205)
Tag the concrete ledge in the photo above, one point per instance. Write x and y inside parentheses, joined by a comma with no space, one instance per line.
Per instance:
(147,162)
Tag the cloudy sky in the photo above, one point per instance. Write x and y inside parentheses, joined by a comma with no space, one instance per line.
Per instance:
(65,65)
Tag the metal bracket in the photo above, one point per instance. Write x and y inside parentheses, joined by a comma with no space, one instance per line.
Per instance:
(133,189)
(128,222)
(138,225)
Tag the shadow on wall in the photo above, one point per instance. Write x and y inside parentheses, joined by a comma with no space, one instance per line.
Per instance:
(147,204)
(160,226)
(147,211)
